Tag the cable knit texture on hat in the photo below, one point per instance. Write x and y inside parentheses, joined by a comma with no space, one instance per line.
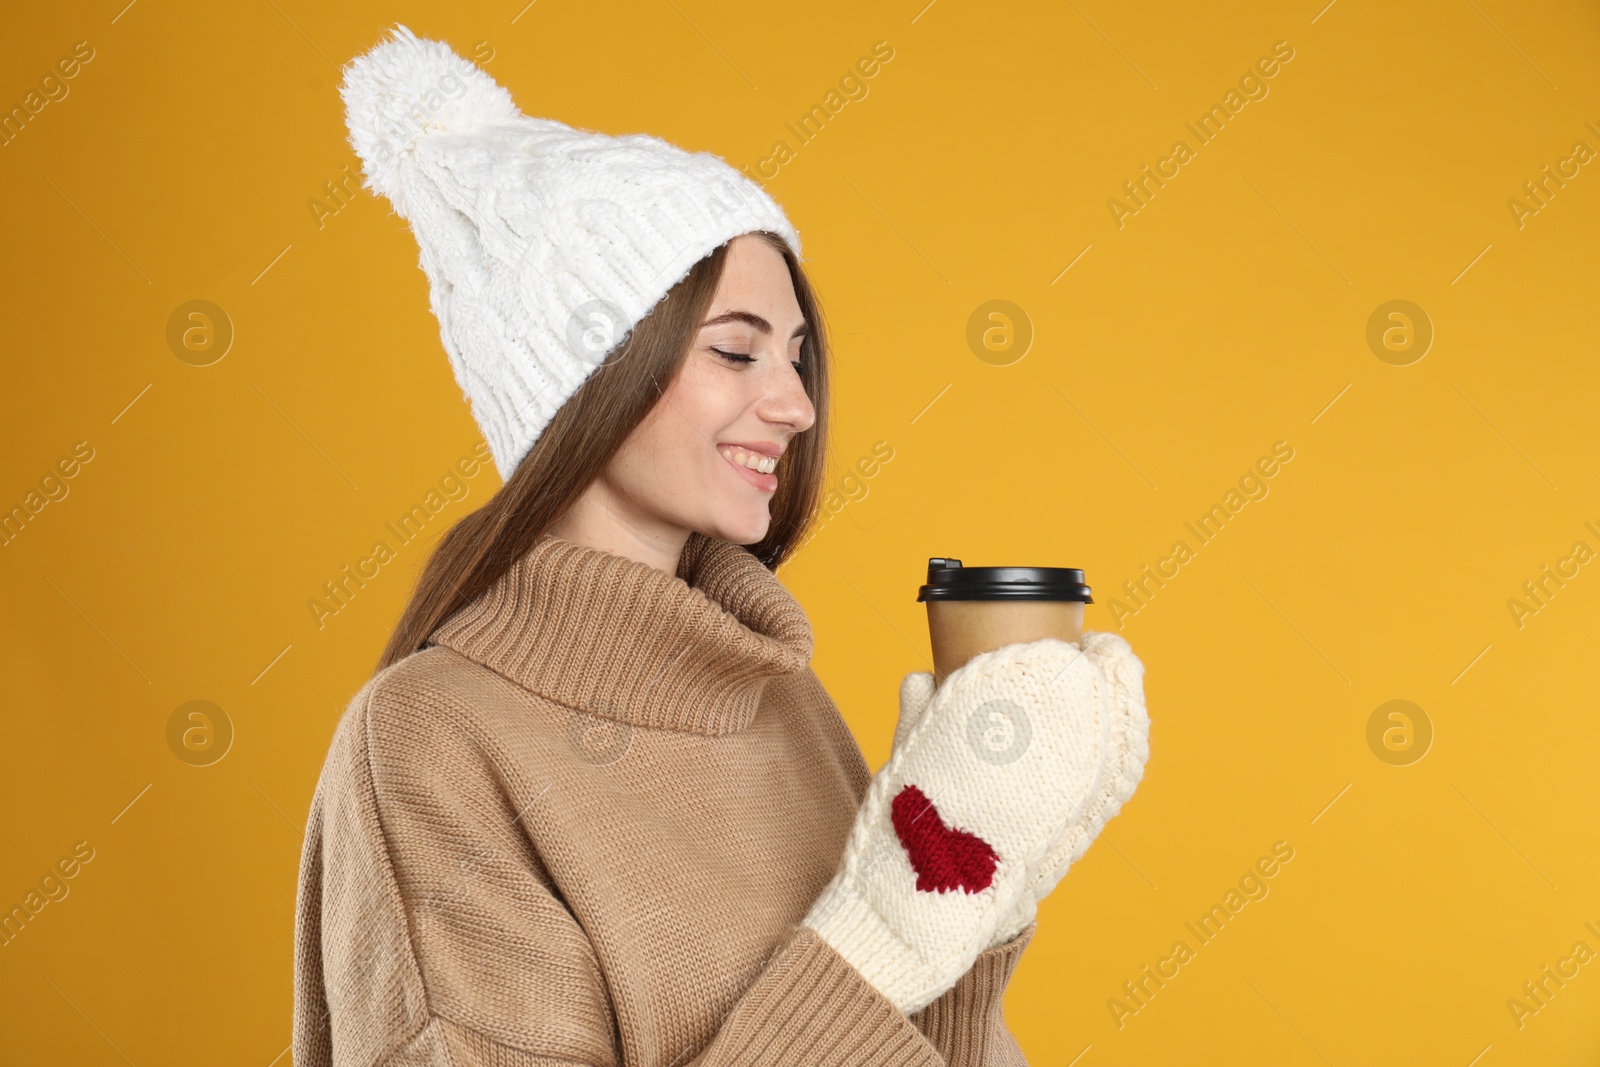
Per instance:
(544,245)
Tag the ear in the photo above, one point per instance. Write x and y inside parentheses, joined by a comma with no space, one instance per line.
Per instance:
(916,691)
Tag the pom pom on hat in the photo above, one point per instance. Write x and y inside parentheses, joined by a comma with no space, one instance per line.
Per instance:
(544,245)
(406,88)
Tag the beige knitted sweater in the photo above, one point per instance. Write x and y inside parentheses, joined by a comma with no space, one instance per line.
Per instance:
(580,829)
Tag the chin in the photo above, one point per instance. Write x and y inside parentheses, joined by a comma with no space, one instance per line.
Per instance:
(743,529)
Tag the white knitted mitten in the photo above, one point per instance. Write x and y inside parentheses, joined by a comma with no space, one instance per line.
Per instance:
(980,791)
(1122,768)
(1127,754)
(916,690)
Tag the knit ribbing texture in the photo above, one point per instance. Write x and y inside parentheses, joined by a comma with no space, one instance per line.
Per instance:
(482,883)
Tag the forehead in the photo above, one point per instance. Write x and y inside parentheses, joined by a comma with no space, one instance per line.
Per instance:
(756,278)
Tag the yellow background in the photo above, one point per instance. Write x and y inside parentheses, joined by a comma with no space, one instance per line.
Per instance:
(1228,314)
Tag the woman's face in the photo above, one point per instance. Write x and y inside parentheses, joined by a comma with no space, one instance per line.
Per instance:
(682,469)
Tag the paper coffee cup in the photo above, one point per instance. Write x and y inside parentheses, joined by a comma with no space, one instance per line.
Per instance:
(979,609)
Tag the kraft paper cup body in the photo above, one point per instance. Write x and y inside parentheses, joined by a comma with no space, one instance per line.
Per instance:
(960,629)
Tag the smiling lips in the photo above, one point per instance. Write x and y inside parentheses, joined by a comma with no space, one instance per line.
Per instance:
(755,467)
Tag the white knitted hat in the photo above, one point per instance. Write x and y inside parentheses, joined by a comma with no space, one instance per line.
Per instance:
(544,245)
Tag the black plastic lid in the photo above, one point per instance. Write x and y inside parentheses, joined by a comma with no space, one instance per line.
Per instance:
(949,580)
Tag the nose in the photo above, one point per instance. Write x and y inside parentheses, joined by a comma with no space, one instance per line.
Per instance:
(784,399)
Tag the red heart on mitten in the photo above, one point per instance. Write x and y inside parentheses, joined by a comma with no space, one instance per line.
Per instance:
(943,857)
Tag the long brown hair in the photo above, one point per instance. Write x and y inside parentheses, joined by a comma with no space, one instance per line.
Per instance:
(575,448)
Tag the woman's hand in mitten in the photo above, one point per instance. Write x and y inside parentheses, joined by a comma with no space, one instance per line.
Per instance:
(916,690)
(1125,734)
(980,790)
(1131,726)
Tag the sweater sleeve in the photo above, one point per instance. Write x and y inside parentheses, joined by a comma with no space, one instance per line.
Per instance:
(965,1024)
(428,933)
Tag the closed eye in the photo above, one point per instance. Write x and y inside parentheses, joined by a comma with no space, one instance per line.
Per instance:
(737,357)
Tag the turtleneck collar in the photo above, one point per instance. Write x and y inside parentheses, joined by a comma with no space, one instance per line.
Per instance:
(594,630)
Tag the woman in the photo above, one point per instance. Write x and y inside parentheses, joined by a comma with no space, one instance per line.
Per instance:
(594,807)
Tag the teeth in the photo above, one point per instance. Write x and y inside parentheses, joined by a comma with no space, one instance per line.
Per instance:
(755,461)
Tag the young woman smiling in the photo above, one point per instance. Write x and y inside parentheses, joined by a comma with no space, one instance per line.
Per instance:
(594,808)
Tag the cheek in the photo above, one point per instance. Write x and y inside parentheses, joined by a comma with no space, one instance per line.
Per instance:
(698,409)
(674,446)
(652,458)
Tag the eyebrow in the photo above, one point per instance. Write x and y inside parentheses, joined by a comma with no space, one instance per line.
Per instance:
(752,319)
